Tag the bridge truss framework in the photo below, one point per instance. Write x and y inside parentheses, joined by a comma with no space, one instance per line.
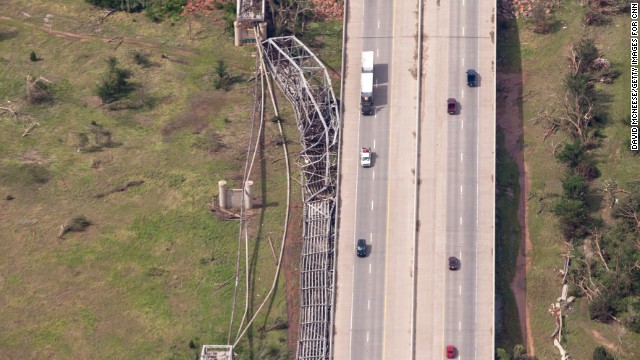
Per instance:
(306,84)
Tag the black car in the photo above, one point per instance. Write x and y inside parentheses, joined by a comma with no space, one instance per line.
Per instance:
(361,248)
(454,263)
(472,78)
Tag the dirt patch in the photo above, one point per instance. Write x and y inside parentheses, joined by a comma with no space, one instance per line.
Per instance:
(291,266)
(196,116)
(604,342)
(510,121)
(32,157)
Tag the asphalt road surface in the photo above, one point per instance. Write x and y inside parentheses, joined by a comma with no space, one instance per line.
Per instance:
(457,190)
(385,310)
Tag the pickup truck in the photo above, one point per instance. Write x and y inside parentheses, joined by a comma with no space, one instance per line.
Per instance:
(365,157)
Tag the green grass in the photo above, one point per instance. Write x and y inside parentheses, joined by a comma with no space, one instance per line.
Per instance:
(137,283)
(543,62)
(325,39)
(508,234)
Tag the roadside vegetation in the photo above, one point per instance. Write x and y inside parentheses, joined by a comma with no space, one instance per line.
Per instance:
(110,154)
(574,102)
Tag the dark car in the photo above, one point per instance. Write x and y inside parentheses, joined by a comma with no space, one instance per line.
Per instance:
(451,352)
(361,248)
(454,263)
(472,78)
(451,106)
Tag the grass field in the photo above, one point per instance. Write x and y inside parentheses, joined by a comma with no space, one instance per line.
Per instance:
(542,60)
(508,233)
(145,279)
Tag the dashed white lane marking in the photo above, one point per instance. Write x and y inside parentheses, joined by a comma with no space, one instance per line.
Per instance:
(463,31)
(368,304)
(367,336)
(374,175)
(371,205)
(461,157)
(460,290)
(369,268)
(374,143)
(460,220)
(378,24)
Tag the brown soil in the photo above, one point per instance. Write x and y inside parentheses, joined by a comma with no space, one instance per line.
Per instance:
(604,342)
(291,268)
(196,116)
(510,121)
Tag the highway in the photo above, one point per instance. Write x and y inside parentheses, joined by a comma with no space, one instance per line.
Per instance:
(375,311)
(401,301)
(457,194)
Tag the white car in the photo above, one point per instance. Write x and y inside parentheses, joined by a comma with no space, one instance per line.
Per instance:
(365,157)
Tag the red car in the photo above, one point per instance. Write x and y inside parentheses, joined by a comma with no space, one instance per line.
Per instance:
(451,106)
(451,352)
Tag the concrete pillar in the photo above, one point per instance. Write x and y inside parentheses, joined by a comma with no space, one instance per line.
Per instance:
(222,194)
(262,29)
(248,194)
(237,31)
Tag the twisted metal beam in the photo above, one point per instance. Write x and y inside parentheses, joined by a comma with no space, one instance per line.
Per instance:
(250,10)
(306,84)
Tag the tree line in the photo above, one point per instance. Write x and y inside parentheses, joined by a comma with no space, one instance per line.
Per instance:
(605,254)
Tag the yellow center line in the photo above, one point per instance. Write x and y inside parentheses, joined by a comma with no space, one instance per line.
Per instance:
(386,254)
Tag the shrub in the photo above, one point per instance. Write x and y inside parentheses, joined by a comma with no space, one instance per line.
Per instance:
(600,309)
(122,5)
(542,23)
(115,84)
(141,59)
(502,354)
(39,91)
(222,80)
(161,9)
(600,353)
(573,216)
(575,187)
(33,56)
(78,223)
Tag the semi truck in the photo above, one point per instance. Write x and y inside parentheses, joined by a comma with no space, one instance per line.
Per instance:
(366,84)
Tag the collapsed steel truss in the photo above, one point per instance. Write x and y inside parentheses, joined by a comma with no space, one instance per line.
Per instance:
(306,84)
(250,10)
